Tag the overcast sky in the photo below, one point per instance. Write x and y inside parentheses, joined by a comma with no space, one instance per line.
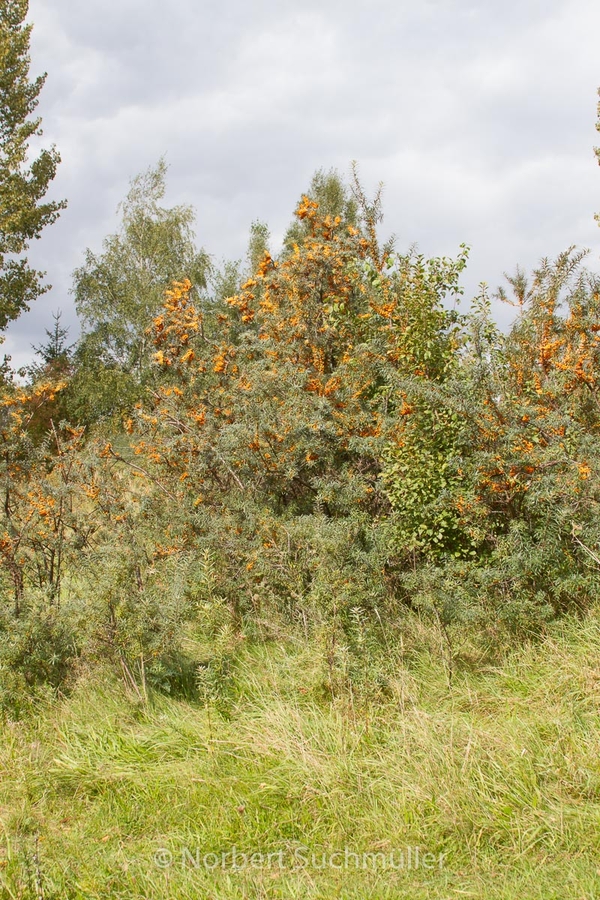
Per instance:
(478,116)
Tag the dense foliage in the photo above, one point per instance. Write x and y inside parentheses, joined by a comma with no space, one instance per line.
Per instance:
(318,440)
(315,440)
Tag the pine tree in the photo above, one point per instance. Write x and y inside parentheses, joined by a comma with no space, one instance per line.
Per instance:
(23,184)
(55,354)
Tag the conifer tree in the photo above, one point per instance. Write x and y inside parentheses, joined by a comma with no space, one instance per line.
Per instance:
(23,183)
(55,354)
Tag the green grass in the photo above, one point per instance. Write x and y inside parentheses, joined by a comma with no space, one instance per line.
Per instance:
(500,773)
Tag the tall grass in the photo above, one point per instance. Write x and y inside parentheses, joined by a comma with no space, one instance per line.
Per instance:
(497,771)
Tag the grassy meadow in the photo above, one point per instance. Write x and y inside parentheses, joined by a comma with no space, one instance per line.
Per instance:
(497,769)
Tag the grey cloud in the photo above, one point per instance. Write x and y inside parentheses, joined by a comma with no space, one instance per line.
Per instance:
(479,118)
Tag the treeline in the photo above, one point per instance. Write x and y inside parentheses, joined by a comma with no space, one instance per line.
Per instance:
(314,442)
